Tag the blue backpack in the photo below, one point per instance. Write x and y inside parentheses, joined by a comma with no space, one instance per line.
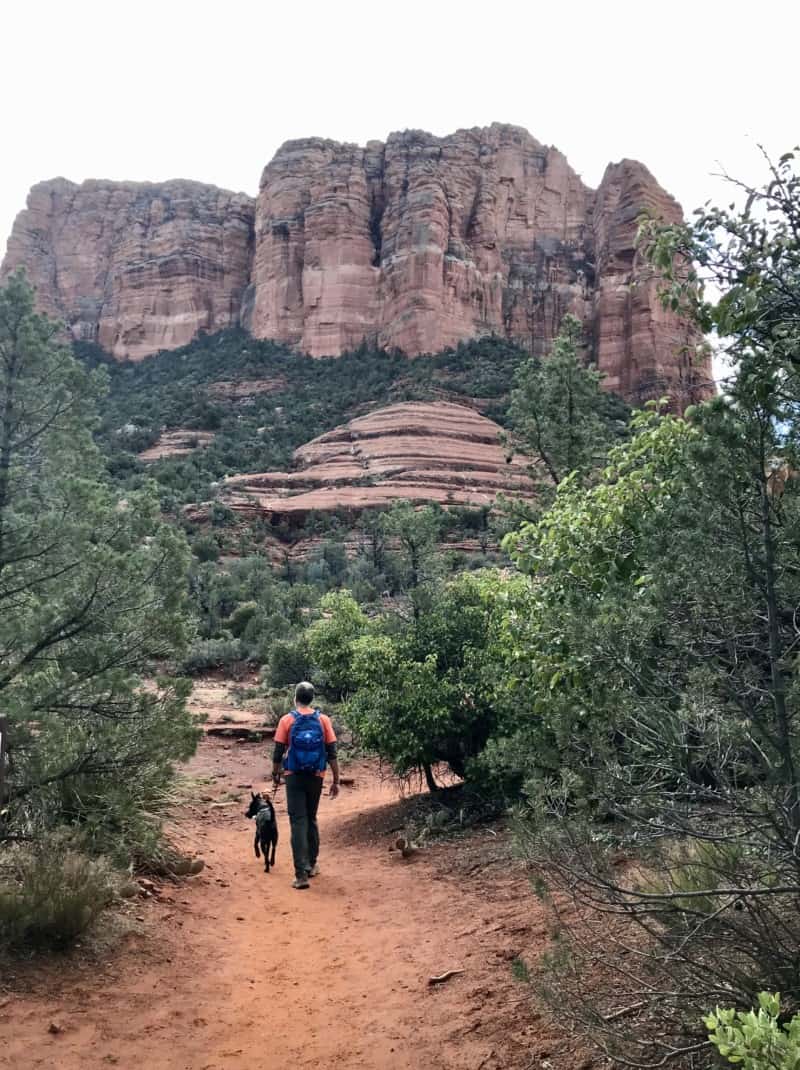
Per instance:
(306,744)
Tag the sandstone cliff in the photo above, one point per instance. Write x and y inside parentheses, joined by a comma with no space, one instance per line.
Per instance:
(135,267)
(417,244)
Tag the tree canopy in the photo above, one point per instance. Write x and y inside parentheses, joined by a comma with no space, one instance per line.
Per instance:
(92,595)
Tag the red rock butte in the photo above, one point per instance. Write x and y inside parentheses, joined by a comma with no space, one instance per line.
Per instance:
(416,244)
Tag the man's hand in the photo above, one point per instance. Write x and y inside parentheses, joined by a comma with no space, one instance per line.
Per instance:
(335,785)
(276,775)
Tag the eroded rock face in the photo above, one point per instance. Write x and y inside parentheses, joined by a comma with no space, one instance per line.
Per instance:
(643,349)
(416,243)
(135,267)
(424,241)
(421,451)
(419,243)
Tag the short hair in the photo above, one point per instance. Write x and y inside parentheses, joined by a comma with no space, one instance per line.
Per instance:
(304,693)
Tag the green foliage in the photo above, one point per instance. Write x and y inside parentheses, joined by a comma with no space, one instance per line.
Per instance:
(559,414)
(288,662)
(206,548)
(330,641)
(92,592)
(49,897)
(653,656)
(734,270)
(242,617)
(211,654)
(221,515)
(415,532)
(755,1039)
(258,433)
(575,635)
(421,690)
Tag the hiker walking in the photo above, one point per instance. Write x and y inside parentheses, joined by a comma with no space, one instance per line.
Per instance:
(305,744)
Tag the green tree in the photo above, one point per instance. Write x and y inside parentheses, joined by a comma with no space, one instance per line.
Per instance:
(92,591)
(330,640)
(415,533)
(289,661)
(656,652)
(559,414)
(372,530)
(421,691)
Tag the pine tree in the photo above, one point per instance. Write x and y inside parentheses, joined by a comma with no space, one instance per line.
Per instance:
(92,590)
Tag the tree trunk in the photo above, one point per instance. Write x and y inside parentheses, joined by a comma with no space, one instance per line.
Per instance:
(784,727)
(432,785)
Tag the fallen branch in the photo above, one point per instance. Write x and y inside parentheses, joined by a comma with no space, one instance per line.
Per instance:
(442,977)
(625,1010)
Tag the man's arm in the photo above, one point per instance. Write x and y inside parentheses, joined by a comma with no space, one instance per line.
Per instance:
(331,755)
(333,762)
(278,753)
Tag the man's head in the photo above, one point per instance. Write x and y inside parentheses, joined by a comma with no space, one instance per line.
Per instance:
(304,693)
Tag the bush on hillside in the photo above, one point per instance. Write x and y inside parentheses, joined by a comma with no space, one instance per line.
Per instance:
(206,548)
(206,654)
(288,662)
(241,618)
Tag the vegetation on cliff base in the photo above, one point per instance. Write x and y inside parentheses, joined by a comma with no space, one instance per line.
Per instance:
(187,388)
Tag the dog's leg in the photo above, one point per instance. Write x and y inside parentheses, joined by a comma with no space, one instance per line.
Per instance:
(274,842)
(265,852)
(255,844)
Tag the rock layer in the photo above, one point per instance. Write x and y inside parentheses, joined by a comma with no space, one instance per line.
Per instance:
(415,244)
(421,451)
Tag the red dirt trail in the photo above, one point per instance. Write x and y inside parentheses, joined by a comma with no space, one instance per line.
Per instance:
(235,970)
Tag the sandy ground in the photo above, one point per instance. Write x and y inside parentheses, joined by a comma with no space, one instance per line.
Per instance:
(234,969)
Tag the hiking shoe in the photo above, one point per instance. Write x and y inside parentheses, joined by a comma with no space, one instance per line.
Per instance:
(300,882)
(314,871)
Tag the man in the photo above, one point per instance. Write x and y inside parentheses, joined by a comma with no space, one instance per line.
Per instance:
(305,744)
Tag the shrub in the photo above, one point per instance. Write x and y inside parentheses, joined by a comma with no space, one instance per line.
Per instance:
(206,654)
(221,516)
(241,617)
(288,662)
(206,549)
(48,897)
(331,639)
(754,1038)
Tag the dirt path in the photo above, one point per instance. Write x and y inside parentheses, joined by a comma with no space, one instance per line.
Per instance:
(235,969)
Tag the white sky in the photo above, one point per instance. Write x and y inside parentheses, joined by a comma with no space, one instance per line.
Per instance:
(177,89)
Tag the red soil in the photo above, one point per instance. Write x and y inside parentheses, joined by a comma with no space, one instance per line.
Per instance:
(235,970)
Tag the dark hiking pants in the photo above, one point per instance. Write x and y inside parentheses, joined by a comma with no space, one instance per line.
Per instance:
(303,791)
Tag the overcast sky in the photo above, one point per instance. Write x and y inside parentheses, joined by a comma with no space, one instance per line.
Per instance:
(174,89)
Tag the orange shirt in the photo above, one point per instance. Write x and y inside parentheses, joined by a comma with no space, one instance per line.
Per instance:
(284,729)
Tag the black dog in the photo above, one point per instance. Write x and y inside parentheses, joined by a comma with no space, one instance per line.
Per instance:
(266,827)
